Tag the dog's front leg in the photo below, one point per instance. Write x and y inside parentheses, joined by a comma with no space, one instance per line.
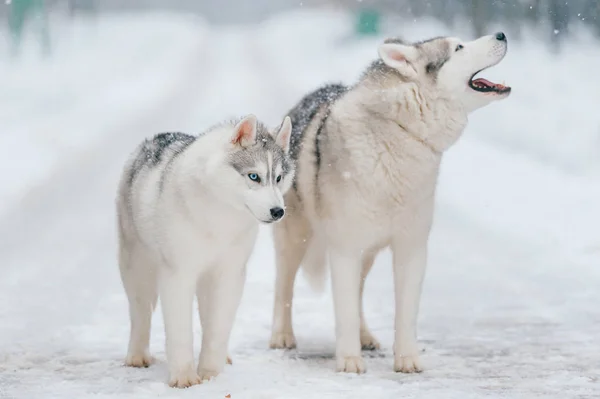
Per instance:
(224,286)
(409,270)
(345,277)
(177,291)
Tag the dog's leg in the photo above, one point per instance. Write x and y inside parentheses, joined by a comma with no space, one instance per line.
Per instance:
(202,293)
(345,278)
(291,238)
(138,275)
(177,290)
(224,286)
(408,280)
(367,340)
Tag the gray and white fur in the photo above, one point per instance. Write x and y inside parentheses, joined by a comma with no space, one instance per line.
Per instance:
(188,211)
(368,158)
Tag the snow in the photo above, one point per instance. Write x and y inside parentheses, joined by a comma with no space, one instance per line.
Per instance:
(90,78)
(509,306)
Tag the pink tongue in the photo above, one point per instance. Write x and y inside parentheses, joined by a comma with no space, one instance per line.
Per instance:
(484,82)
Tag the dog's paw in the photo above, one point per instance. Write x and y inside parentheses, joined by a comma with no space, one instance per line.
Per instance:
(368,342)
(228,360)
(351,364)
(139,360)
(184,379)
(283,341)
(407,364)
(207,375)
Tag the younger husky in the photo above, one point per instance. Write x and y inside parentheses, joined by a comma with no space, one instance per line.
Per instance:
(188,210)
(368,159)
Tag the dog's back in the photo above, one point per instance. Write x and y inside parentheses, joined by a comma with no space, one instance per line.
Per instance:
(144,174)
(160,149)
(306,110)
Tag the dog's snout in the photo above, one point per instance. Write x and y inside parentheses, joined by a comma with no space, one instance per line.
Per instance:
(501,36)
(277,213)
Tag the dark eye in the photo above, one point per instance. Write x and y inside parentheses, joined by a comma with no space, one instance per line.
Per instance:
(459,47)
(278,178)
(254,177)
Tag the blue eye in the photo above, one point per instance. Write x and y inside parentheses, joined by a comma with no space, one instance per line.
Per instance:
(254,177)
(459,47)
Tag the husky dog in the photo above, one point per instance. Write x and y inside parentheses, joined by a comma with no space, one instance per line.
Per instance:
(368,158)
(188,214)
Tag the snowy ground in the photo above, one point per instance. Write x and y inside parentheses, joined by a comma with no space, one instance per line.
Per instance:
(510,306)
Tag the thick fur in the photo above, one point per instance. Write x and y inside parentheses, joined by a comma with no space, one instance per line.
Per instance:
(188,212)
(368,158)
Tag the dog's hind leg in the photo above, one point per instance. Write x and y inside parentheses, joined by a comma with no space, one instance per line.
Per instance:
(346,264)
(367,340)
(291,238)
(138,275)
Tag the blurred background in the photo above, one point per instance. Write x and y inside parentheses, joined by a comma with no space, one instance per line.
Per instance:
(510,301)
(554,17)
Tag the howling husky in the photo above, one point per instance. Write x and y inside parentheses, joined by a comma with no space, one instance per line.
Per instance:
(368,158)
(188,213)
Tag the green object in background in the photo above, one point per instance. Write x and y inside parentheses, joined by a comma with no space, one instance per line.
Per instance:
(368,22)
(19,12)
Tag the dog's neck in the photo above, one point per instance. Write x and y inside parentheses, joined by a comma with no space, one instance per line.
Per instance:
(433,120)
(423,141)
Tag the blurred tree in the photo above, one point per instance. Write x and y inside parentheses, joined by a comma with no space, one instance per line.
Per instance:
(509,13)
(480,16)
(81,6)
(367,21)
(591,13)
(558,12)
(19,12)
(533,11)
(445,10)
(417,8)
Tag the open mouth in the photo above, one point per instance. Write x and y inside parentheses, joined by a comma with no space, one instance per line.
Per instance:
(485,86)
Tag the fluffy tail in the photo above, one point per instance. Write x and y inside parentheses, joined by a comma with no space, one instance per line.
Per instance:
(314,264)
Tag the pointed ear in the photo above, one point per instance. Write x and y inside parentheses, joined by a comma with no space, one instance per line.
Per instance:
(285,132)
(244,133)
(400,57)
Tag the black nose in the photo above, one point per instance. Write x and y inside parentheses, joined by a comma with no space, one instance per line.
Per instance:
(501,36)
(277,213)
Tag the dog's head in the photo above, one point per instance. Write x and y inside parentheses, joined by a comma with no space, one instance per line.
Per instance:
(448,65)
(260,168)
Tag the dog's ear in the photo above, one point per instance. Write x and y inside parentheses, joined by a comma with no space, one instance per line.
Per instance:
(401,57)
(244,133)
(282,138)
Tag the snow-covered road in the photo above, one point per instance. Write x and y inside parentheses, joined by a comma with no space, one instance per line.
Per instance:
(510,305)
